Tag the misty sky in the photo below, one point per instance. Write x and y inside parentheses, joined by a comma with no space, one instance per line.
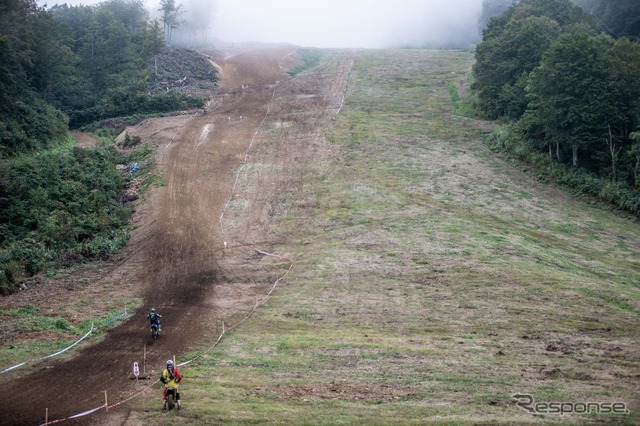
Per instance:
(339,23)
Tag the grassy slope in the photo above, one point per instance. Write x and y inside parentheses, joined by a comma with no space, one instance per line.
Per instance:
(434,281)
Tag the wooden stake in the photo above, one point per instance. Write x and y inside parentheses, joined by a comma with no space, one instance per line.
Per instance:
(46,416)
(106,402)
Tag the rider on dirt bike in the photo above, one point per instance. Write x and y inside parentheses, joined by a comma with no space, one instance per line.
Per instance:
(154,317)
(170,377)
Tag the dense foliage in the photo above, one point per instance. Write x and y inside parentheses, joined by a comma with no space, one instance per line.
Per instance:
(617,18)
(569,90)
(28,60)
(60,205)
(90,62)
(112,45)
(491,9)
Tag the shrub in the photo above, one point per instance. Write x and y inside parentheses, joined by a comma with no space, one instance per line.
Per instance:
(509,139)
(130,141)
(62,205)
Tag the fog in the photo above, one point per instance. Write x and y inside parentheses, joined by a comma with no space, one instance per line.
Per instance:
(336,23)
(350,23)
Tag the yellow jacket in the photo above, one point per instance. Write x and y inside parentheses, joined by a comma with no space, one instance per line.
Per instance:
(168,381)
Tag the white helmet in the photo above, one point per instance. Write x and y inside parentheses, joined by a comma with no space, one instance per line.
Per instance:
(169,363)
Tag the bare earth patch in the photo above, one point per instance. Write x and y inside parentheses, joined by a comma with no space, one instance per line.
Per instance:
(346,392)
(85,140)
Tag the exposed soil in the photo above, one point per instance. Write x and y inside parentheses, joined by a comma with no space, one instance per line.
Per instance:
(195,252)
(339,391)
(85,140)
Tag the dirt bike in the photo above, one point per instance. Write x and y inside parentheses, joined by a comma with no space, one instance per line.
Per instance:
(155,331)
(172,399)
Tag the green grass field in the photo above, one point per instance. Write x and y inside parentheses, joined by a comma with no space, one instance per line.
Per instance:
(431,281)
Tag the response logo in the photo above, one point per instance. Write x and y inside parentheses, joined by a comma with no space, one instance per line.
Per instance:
(527,402)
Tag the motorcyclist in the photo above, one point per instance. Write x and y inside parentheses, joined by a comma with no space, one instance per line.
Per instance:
(154,318)
(170,377)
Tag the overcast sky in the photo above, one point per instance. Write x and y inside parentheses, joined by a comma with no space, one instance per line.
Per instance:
(338,23)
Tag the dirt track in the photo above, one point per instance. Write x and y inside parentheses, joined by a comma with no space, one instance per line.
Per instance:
(176,260)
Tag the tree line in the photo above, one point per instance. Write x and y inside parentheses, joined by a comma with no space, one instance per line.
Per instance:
(86,62)
(564,80)
(618,18)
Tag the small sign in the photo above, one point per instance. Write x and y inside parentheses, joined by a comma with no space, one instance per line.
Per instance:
(136,370)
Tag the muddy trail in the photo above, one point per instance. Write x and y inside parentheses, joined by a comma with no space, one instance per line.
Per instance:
(196,252)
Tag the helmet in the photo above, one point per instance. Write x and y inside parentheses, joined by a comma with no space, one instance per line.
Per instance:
(169,363)
(153,309)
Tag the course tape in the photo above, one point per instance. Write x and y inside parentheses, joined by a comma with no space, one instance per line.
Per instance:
(104,406)
(86,413)
(257,304)
(114,319)
(133,396)
(6,370)
(75,416)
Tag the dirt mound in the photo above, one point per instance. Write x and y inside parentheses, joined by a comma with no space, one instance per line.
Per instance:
(182,70)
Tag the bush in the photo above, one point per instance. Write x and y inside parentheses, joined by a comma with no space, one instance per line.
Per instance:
(104,246)
(509,139)
(61,205)
(130,141)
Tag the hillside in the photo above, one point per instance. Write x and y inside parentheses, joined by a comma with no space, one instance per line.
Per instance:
(339,247)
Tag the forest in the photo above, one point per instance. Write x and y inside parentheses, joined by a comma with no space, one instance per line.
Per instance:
(63,68)
(563,79)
